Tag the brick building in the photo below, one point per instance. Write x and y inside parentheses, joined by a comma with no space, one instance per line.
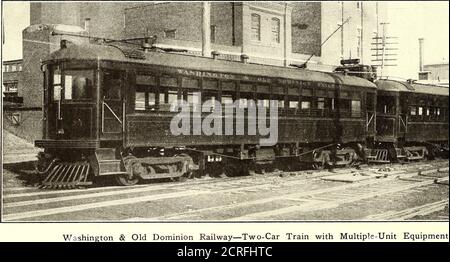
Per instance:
(275,33)
(22,80)
(11,72)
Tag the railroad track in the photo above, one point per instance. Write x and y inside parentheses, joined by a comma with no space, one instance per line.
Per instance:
(411,212)
(311,193)
(317,199)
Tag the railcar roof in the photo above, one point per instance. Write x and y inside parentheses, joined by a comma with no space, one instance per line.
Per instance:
(113,53)
(403,86)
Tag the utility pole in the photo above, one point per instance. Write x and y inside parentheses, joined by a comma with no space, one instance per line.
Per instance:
(206,30)
(342,30)
(361,51)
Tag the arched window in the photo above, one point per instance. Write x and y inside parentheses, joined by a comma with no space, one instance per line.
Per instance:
(256,27)
(275,30)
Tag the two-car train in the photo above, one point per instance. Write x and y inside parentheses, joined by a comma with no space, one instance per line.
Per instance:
(107,112)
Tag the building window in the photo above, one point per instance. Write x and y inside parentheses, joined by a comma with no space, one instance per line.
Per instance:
(11,86)
(213,33)
(16,117)
(256,27)
(170,33)
(275,30)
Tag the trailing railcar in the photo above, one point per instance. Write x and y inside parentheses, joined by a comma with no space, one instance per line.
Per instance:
(411,120)
(107,112)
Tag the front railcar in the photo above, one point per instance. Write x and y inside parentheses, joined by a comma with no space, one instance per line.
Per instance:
(70,120)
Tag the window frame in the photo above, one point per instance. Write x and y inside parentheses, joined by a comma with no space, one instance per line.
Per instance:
(167,33)
(93,85)
(275,32)
(255,29)
(213,33)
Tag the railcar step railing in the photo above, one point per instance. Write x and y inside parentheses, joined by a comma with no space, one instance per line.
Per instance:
(67,176)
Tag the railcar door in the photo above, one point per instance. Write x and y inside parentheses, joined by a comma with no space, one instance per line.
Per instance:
(371,113)
(112,104)
(387,116)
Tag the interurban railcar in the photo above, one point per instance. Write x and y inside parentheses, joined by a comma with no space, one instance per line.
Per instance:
(411,118)
(107,111)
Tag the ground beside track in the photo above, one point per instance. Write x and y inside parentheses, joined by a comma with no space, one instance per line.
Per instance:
(395,192)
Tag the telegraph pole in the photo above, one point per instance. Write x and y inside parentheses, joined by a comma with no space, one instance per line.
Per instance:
(206,30)
(384,49)
(342,30)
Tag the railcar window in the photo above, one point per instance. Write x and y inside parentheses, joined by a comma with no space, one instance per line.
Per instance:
(263,99)
(293,102)
(168,96)
(227,99)
(145,80)
(306,103)
(169,100)
(413,111)
(246,99)
(420,111)
(356,108)
(228,96)
(140,101)
(432,113)
(57,85)
(386,105)
(229,86)
(193,98)
(145,98)
(112,83)
(209,84)
(278,100)
(209,99)
(320,103)
(278,96)
(78,84)
(151,100)
(243,102)
(264,103)
(189,83)
(168,81)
